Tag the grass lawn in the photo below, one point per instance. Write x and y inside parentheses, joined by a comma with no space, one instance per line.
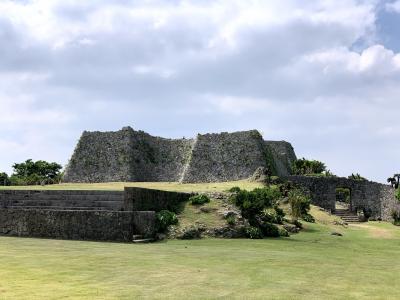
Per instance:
(167,186)
(364,263)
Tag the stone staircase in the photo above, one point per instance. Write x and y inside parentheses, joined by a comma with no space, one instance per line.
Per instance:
(346,215)
(63,200)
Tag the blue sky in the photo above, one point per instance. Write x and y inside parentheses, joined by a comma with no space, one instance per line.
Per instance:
(323,75)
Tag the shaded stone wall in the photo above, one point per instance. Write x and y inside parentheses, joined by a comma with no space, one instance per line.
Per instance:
(77,225)
(283,156)
(82,215)
(375,198)
(129,155)
(156,200)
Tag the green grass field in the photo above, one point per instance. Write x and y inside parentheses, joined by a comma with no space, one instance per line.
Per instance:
(167,186)
(363,264)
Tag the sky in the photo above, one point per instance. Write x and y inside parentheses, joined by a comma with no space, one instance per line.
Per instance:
(323,75)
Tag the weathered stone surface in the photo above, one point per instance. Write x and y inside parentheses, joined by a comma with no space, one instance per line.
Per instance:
(129,155)
(376,200)
(148,199)
(77,225)
(86,200)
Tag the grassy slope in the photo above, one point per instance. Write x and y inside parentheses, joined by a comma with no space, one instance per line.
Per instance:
(168,186)
(364,263)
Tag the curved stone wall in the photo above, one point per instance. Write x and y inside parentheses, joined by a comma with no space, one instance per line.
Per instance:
(129,155)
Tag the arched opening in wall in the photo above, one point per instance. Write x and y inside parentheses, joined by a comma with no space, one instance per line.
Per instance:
(343,198)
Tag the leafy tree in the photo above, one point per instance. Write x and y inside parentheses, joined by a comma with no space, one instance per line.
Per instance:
(305,167)
(260,208)
(39,172)
(300,205)
(4,180)
(394,181)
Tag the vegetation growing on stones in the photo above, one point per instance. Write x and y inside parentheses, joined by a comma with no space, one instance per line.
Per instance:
(308,167)
(253,232)
(231,220)
(164,219)
(256,207)
(300,205)
(357,177)
(199,199)
(396,218)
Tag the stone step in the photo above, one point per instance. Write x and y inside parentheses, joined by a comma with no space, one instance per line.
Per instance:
(56,208)
(64,198)
(108,204)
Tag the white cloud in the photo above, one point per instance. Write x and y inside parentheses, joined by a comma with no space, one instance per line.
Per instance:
(393,6)
(176,68)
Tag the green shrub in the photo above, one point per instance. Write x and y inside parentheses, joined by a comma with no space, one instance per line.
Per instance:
(269,229)
(275,215)
(4,180)
(343,194)
(260,208)
(190,233)
(234,189)
(231,220)
(299,203)
(306,167)
(164,219)
(283,232)
(396,218)
(199,199)
(253,232)
(308,218)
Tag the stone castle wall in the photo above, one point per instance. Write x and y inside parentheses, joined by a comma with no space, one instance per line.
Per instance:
(375,198)
(129,155)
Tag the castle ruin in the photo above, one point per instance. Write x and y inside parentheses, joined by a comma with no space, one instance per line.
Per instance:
(129,155)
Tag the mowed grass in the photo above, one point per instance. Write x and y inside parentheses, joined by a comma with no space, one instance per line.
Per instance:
(167,186)
(362,264)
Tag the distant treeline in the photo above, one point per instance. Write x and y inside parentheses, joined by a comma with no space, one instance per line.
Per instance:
(33,173)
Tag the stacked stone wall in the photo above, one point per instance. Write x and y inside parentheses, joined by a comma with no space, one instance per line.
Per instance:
(129,155)
(138,199)
(283,156)
(77,225)
(225,156)
(375,198)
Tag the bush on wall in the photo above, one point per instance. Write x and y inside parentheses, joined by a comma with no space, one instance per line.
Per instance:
(300,205)
(199,199)
(260,208)
(164,219)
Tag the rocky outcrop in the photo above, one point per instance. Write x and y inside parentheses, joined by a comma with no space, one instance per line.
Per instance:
(129,155)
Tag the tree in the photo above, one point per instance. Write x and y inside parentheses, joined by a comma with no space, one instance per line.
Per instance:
(394,181)
(4,180)
(39,172)
(306,167)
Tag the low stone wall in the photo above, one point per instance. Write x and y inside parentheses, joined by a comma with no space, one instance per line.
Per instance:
(77,225)
(375,198)
(62,199)
(148,199)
